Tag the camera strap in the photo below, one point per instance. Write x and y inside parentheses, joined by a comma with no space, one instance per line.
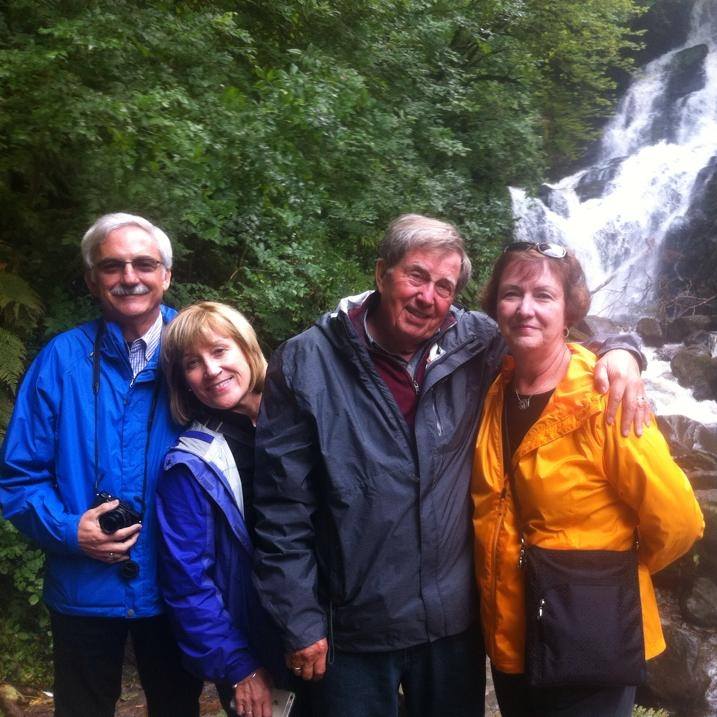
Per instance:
(96,357)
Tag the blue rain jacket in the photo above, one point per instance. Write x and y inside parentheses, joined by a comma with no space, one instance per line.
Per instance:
(206,561)
(47,472)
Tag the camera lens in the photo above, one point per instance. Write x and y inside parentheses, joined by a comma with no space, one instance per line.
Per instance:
(111,522)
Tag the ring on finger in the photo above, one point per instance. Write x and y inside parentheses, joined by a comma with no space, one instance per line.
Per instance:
(112,556)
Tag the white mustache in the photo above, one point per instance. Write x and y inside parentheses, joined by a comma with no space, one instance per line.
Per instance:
(136,290)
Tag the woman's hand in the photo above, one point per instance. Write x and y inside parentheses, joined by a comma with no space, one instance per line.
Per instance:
(253,695)
(618,371)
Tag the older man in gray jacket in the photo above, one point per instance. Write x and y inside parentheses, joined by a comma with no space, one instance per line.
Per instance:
(364,449)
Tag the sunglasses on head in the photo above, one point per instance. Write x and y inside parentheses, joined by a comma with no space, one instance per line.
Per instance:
(546,248)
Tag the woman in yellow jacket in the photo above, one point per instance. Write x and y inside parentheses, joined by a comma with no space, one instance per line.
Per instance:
(581,484)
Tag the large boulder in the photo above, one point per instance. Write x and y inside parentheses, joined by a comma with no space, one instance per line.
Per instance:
(706,549)
(685,326)
(650,331)
(596,179)
(597,327)
(694,368)
(666,24)
(679,677)
(699,603)
(694,447)
(685,74)
(554,199)
(688,253)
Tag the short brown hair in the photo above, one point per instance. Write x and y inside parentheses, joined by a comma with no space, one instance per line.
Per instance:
(191,326)
(567,270)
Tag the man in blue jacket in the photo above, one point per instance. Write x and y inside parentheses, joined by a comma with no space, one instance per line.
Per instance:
(365,441)
(80,462)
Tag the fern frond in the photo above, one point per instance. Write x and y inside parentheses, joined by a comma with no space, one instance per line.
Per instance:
(12,355)
(18,297)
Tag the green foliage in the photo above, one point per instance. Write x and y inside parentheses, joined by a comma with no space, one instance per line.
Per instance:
(24,627)
(274,141)
(647,712)
(20,309)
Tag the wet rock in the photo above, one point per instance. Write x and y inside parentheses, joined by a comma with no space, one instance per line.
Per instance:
(704,339)
(597,327)
(667,352)
(594,182)
(677,576)
(685,74)
(554,199)
(683,327)
(706,549)
(688,254)
(666,24)
(679,677)
(692,445)
(650,331)
(699,604)
(688,438)
(694,368)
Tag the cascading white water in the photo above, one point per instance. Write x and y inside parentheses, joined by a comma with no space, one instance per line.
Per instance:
(638,186)
(615,214)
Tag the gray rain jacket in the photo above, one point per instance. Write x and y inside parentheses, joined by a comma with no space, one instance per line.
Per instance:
(364,526)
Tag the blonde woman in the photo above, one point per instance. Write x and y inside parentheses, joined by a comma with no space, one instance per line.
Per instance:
(215,370)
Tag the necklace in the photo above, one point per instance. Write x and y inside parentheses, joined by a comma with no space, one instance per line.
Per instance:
(523,401)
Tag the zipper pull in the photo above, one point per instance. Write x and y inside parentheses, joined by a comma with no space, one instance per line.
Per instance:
(541,604)
(416,387)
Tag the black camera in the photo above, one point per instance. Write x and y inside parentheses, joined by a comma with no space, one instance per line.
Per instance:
(120,517)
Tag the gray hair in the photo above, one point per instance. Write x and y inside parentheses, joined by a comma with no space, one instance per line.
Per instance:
(107,223)
(415,231)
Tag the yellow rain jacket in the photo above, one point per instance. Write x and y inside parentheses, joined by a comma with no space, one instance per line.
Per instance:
(582,486)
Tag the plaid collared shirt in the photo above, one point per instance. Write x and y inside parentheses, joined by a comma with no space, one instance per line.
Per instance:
(142,349)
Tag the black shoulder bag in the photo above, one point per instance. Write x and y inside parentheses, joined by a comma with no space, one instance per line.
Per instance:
(582,609)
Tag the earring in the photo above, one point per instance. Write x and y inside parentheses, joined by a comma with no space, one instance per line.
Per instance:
(566,332)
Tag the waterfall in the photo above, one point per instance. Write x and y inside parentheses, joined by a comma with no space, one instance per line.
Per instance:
(615,214)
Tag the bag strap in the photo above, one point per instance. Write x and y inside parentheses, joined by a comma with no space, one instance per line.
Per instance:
(508,464)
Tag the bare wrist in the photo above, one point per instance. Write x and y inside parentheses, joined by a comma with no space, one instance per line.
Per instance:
(249,677)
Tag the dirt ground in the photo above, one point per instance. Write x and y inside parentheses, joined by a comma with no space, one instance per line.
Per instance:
(37,703)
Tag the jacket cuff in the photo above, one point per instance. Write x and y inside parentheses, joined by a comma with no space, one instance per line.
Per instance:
(236,673)
(626,342)
(308,637)
(71,540)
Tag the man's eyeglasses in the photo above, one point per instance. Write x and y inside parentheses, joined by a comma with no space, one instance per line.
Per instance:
(442,287)
(546,248)
(141,265)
